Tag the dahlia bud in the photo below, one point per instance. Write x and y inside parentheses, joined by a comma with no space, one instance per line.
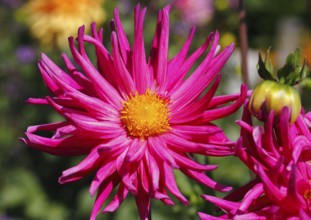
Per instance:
(273,96)
(277,91)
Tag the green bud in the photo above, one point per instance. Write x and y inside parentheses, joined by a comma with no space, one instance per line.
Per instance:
(273,96)
(277,91)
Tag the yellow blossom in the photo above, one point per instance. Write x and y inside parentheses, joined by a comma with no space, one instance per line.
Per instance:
(53,21)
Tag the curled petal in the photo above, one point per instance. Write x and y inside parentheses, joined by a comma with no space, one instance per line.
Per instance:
(221,112)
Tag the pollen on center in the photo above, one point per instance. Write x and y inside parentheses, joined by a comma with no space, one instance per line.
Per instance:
(145,114)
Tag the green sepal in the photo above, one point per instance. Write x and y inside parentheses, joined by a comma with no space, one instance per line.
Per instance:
(265,69)
(292,72)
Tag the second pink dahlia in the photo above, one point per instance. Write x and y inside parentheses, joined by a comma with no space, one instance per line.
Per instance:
(279,155)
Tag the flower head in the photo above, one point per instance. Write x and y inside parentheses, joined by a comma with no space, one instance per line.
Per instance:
(136,119)
(279,155)
(52,21)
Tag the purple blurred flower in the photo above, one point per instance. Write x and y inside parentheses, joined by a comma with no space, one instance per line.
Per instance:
(25,54)
(12,3)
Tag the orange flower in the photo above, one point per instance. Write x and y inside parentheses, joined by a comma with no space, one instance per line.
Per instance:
(52,21)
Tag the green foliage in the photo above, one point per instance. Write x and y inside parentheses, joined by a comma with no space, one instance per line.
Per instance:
(23,194)
(265,68)
(290,74)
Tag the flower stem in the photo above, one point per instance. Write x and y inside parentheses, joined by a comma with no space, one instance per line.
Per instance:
(243,42)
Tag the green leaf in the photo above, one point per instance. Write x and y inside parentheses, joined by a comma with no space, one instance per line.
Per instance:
(265,69)
(292,72)
(268,63)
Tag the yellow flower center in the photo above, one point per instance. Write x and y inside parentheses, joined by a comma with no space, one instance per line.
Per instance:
(145,115)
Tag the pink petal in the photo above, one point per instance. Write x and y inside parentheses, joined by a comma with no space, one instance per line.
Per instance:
(143,204)
(116,144)
(180,144)
(167,176)
(154,172)
(269,142)
(176,62)
(49,82)
(201,177)
(191,112)
(204,216)
(88,124)
(136,151)
(104,89)
(177,80)
(89,164)
(94,106)
(143,175)
(105,171)
(184,161)
(239,193)
(69,146)
(47,127)
(104,191)
(80,78)
(223,204)
(117,200)
(250,196)
(222,112)
(104,60)
(157,147)
(37,101)
(124,44)
(162,49)
(122,75)
(125,171)
(273,189)
(140,70)
(201,78)
(53,69)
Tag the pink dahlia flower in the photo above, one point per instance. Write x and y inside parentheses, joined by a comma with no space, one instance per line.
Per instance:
(136,118)
(279,154)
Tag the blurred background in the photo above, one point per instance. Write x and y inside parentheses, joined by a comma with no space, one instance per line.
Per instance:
(29,186)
